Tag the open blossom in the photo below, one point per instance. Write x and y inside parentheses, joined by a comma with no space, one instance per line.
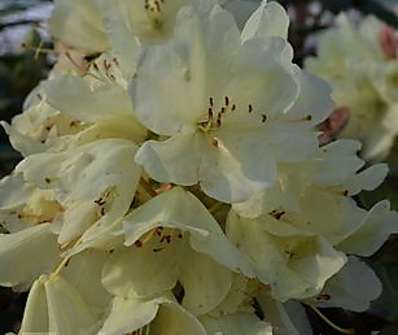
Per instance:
(214,104)
(360,62)
(301,247)
(173,183)
(71,301)
(96,25)
(55,197)
(162,234)
(69,110)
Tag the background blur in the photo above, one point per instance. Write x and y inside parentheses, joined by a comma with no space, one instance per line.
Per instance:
(22,66)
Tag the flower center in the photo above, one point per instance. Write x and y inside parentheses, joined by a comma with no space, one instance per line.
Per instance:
(160,237)
(215,117)
(153,9)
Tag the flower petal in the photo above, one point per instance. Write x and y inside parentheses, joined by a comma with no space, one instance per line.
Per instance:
(174,320)
(38,243)
(83,272)
(175,160)
(35,318)
(68,313)
(78,24)
(206,283)
(374,230)
(344,290)
(128,315)
(141,272)
(269,20)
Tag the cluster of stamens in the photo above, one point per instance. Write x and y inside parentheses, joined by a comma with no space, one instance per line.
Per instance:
(108,68)
(154,6)
(277,214)
(164,237)
(153,9)
(104,201)
(215,118)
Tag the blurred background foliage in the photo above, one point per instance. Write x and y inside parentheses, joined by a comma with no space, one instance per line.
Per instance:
(23,30)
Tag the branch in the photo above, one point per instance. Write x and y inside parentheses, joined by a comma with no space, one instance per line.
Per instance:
(18,23)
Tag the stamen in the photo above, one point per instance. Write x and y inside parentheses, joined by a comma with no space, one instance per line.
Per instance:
(349,331)
(210,113)
(153,9)
(219,120)
(211,101)
(277,214)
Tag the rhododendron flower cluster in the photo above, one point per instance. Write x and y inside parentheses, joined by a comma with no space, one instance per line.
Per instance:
(173,182)
(360,62)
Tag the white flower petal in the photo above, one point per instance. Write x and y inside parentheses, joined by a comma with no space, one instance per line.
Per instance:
(78,24)
(333,156)
(73,96)
(166,91)
(141,272)
(374,230)
(237,300)
(35,318)
(117,17)
(128,315)
(175,160)
(367,180)
(223,177)
(14,191)
(259,78)
(206,283)
(286,320)
(83,272)
(353,288)
(174,320)
(314,99)
(21,142)
(165,317)
(344,216)
(34,250)
(68,313)
(269,20)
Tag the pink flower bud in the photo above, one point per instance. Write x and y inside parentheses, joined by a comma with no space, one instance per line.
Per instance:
(334,125)
(388,42)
